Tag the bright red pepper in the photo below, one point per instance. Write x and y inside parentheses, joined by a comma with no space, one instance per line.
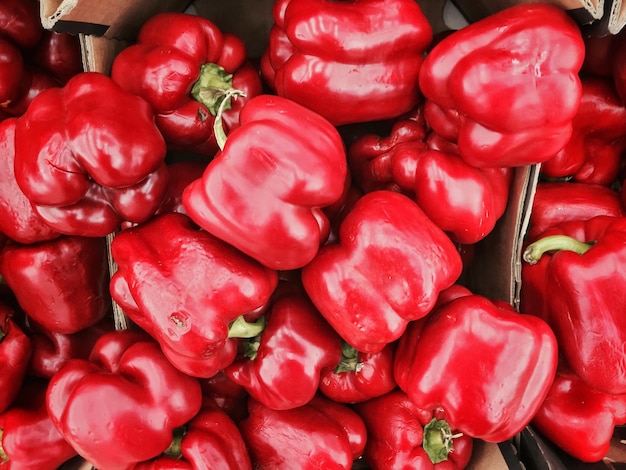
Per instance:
(350,62)
(320,434)
(583,296)
(210,440)
(18,219)
(141,398)
(62,283)
(89,156)
(282,366)
(15,352)
(498,365)
(401,435)
(51,350)
(186,288)
(184,65)
(487,85)
(264,192)
(594,152)
(28,439)
(579,419)
(387,269)
(555,202)
(358,376)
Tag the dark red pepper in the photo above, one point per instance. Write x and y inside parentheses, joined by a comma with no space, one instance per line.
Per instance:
(62,283)
(58,54)
(401,435)
(15,352)
(349,61)
(88,156)
(185,66)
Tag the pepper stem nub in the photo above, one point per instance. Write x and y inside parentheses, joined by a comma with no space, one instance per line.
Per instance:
(240,328)
(4,458)
(349,361)
(438,440)
(533,252)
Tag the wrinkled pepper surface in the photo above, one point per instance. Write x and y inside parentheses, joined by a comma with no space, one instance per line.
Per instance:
(594,152)
(487,85)
(141,398)
(471,336)
(387,269)
(350,62)
(88,156)
(18,220)
(15,352)
(575,280)
(186,288)
(264,192)
(335,436)
(401,435)
(184,65)
(282,366)
(578,418)
(28,438)
(62,283)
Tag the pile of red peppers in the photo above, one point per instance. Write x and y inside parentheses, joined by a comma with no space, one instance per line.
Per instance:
(287,240)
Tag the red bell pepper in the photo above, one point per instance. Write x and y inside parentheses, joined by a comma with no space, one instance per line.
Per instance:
(58,54)
(89,156)
(15,352)
(387,269)
(141,398)
(62,283)
(555,202)
(51,350)
(228,395)
(320,434)
(618,69)
(210,440)
(487,85)
(348,61)
(18,219)
(264,192)
(358,376)
(281,367)
(583,296)
(579,419)
(401,435)
(186,288)
(598,55)
(594,152)
(184,65)
(498,365)
(28,439)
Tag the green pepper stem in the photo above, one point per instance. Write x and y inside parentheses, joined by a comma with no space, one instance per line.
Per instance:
(218,125)
(533,252)
(349,361)
(240,328)
(4,458)
(211,87)
(438,440)
(175,447)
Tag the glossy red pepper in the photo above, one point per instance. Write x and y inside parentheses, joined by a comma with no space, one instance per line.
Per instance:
(28,438)
(51,350)
(498,365)
(15,352)
(58,54)
(265,191)
(18,219)
(579,419)
(387,269)
(141,398)
(282,366)
(555,202)
(594,152)
(62,283)
(184,65)
(401,435)
(335,436)
(487,85)
(350,62)
(582,296)
(186,288)
(358,376)
(66,164)
(210,440)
